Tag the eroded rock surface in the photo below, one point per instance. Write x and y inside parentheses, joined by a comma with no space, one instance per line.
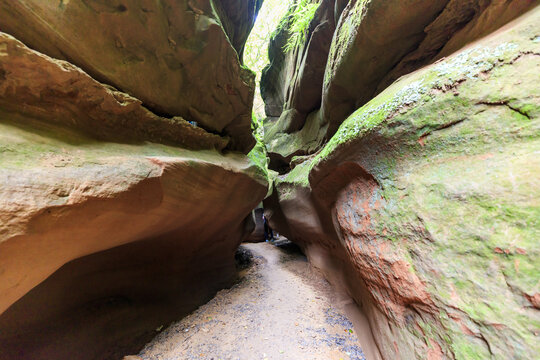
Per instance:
(66,196)
(115,219)
(174,56)
(238,18)
(291,86)
(58,92)
(424,204)
(407,161)
(361,47)
(387,47)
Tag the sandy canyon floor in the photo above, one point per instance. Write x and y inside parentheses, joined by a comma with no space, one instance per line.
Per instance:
(280,308)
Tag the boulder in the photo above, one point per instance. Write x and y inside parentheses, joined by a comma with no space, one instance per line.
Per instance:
(122,238)
(354,50)
(276,76)
(293,79)
(58,92)
(379,41)
(291,86)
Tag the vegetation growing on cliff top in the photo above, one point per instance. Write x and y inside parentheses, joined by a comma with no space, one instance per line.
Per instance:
(300,20)
(273,16)
(256,49)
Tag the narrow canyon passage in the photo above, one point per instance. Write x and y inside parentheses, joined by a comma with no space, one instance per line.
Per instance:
(395,142)
(279,309)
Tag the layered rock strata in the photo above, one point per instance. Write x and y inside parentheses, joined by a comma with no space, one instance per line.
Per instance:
(174,56)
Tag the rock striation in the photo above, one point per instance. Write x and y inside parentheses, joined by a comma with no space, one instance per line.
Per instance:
(420,200)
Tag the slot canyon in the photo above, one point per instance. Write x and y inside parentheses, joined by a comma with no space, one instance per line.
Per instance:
(149,148)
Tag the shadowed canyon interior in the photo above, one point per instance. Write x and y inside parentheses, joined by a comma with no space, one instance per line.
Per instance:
(398,147)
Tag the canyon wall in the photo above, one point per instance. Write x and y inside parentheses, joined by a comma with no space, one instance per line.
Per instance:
(409,175)
(126,180)
(402,135)
(353,50)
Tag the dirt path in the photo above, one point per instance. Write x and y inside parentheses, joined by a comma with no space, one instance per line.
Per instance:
(279,309)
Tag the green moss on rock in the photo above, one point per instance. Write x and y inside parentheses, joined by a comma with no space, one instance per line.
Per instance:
(454,148)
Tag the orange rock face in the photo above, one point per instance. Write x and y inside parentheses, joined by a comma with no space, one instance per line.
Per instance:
(115,220)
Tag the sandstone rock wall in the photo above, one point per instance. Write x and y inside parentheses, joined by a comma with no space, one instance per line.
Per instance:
(237,19)
(120,208)
(58,92)
(423,206)
(174,56)
(353,50)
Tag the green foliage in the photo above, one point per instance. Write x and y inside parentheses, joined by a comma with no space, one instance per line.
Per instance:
(300,20)
(282,23)
(256,48)
(258,153)
(257,127)
(273,17)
